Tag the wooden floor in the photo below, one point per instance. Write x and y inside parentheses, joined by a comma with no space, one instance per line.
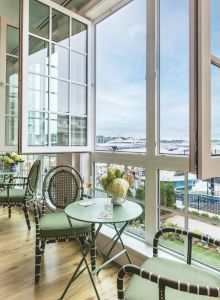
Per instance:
(17,266)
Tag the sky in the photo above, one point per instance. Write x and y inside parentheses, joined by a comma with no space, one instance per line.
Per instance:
(121,71)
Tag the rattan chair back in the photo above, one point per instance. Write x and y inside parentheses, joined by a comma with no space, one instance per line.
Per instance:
(62,186)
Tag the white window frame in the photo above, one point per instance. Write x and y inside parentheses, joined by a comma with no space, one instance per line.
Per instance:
(23,107)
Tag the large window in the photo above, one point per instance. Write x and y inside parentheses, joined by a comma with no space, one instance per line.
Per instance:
(55,83)
(120,80)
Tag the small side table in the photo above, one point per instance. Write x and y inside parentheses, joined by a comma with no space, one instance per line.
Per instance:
(124,213)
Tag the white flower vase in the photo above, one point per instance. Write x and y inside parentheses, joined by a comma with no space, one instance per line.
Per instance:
(116,200)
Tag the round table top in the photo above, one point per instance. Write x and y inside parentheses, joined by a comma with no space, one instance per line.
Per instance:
(121,213)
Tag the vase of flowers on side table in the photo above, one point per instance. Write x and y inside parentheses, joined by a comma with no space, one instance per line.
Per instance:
(12,159)
(115,183)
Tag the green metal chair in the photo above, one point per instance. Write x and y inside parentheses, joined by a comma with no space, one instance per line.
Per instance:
(62,185)
(20,191)
(160,277)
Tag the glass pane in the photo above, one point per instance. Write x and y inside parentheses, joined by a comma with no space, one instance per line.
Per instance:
(38,92)
(38,56)
(136,192)
(79,36)
(121,80)
(203,251)
(59,131)
(12,70)
(60,28)
(215,27)
(78,131)
(11,131)
(174,77)
(78,99)
(60,62)
(172,241)
(39,18)
(37,129)
(59,96)
(215,110)
(78,67)
(11,101)
(12,40)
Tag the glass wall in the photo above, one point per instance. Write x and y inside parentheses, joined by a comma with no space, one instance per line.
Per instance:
(120,80)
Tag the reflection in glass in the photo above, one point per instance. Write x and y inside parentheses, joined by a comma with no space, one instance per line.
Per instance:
(39,18)
(11,131)
(78,67)
(215,28)
(79,36)
(60,28)
(78,99)
(38,92)
(11,101)
(174,77)
(215,110)
(37,129)
(78,131)
(59,131)
(59,62)
(12,40)
(38,56)
(12,70)
(59,96)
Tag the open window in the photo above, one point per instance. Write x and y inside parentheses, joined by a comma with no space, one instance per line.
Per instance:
(55,106)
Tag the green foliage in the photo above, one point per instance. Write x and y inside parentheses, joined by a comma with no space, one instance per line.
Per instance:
(167,193)
(205,215)
(195,212)
(140,192)
(171,235)
(215,218)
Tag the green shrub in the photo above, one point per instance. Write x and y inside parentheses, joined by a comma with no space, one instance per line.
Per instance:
(205,215)
(195,212)
(215,217)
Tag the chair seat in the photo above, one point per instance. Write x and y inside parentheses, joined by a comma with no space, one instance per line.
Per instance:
(57,224)
(15,195)
(143,289)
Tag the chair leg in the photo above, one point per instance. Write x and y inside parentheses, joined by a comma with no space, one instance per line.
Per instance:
(38,254)
(93,250)
(26,213)
(9,211)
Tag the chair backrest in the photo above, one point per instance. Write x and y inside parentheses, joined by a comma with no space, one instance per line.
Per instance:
(33,177)
(62,185)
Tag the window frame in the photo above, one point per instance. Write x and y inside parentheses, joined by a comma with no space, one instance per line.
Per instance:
(23,96)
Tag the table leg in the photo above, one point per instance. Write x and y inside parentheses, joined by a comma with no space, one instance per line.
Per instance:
(84,254)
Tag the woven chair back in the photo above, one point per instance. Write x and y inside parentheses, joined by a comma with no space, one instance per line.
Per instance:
(33,177)
(62,186)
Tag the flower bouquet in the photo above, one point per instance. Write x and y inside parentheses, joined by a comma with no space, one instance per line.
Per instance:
(116,183)
(12,159)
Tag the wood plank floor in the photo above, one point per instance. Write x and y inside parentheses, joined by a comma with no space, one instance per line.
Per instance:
(17,266)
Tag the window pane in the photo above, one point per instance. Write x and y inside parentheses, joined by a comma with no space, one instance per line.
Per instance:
(12,70)
(60,62)
(120,80)
(59,96)
(79,36)
(215,27)
(215,110)
(78,67)
(60,28)
(203,251)
(78,99)
(37,129)
(12,40)
(11,131)
(136,191)
(174,77)
(59,131)
(38,56)
(78,131)
(39,18)
(11,101)
(172,241)
(38,92)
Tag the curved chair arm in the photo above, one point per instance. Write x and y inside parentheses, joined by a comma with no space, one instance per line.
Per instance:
(163,283)
(190,235)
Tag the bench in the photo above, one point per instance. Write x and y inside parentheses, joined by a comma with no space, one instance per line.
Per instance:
(158,277)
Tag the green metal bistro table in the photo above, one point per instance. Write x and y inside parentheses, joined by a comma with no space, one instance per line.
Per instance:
(124,213)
